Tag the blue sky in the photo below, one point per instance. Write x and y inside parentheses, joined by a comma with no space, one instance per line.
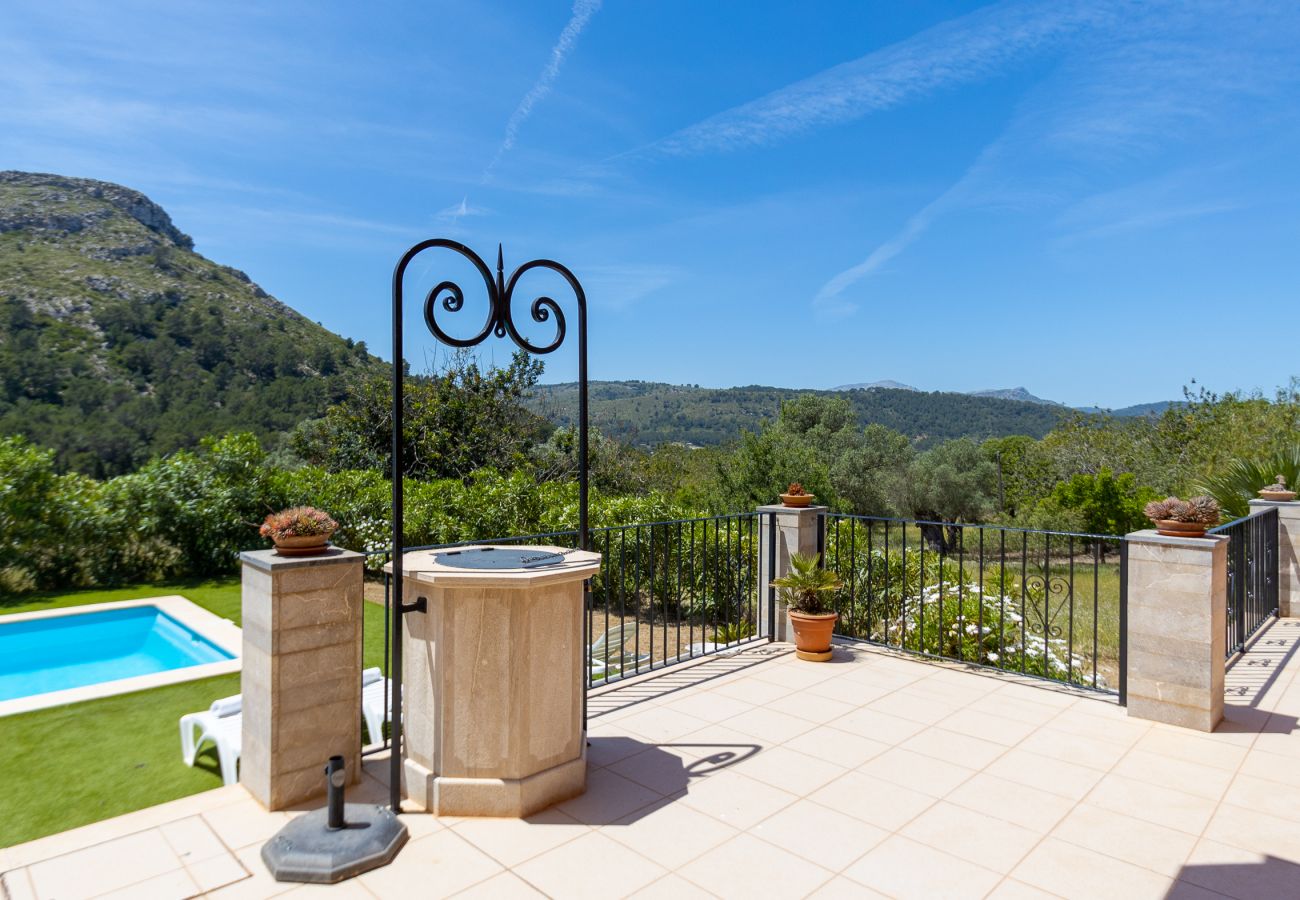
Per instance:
(1096,201)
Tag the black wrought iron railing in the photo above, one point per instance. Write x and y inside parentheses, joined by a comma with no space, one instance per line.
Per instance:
(667,592)
(1252,575)
(1040,603)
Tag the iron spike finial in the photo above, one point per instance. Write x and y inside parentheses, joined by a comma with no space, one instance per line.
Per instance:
(501,270)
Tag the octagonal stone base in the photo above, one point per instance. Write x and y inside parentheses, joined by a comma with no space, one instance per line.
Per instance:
(306,850)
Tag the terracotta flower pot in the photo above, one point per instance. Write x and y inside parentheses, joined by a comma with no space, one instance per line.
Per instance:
(797,501)
(812,634)
(1170,528)
(1277,495)
(302,545)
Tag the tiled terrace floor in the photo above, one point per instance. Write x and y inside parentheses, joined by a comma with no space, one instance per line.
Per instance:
(763,776)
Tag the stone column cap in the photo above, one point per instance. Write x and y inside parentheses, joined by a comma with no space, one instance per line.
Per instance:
(1149,536)
(781,508)
(420,565)
(1287,508)
(268,560)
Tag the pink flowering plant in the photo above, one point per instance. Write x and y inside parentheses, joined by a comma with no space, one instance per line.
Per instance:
(298,521)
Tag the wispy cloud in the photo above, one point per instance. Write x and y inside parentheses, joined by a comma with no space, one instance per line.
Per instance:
(583,10)
(965,49)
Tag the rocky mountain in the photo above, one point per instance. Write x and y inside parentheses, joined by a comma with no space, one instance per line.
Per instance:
(1016,393)
(118,341)
(876,386)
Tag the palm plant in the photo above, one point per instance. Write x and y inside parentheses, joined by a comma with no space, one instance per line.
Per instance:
(1238,484)
(807,587)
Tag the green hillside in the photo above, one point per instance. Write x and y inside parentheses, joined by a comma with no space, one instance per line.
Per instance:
(118,341)
(648,413)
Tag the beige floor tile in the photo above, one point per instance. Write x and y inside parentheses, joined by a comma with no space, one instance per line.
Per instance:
(512,841)
(192,839)
(987,726)
(669,832)
(1010,889)
(879,726)
(710,706)
(505,886)
(1204,781)
(1117,730)
(168,886)
(1276,799)
(790,770)
(217,871)
(903,868)
(737,800)
(814,708)
(594,866)
(1253,830)
(244,823)
(662,723)
(671,887)
(917,772)
(795,677)
(1076,872)
(605,750)
(950,745)
(972,836)
(754,691)
(104,867)
(745,867)
(769,725)
(1144,844)
(819,834)
(842,748)
(1271,767)
(1206,751)
(1152,803)
(880,803)
(841,888)
(1244,874)
(847,690)
(259,883)
(1073,748)
(1019,804)
(1052,775)
(608,797)
(438,865)
(660,770)
(1010,707)
(914,706)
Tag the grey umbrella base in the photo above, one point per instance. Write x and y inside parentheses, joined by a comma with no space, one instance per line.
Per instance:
(306,850)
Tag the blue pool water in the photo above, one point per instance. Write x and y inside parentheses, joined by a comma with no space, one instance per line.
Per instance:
(42,655)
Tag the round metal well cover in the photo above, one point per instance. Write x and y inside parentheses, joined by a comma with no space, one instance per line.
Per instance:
(497,558)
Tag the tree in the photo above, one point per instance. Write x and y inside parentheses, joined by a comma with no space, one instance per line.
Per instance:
(455,422)
(953,483)
(1100,504)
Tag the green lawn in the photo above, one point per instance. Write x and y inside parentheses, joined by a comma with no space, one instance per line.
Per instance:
(71,765)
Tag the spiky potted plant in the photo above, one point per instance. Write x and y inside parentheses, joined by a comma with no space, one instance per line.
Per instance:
(1277,490)
(299,530)
(806,589)
(1183,518)
(795,496)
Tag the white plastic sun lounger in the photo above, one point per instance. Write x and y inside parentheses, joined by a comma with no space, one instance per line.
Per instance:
(222,724)
(376,697)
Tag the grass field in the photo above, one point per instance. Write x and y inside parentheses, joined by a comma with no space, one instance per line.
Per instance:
(71,765)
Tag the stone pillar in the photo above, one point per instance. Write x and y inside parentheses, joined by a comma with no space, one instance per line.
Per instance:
(796,532)
(492,684)
(301,678)
(1177,620)
(1288,554)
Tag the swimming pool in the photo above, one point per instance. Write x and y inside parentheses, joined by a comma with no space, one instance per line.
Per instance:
(76,653)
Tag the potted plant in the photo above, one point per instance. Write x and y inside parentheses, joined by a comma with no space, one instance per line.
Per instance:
(299,531)
(806,590)
(1183,518)
(1277,490)
(795,496)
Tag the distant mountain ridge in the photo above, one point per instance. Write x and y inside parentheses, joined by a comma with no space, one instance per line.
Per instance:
(1022,395)
(118,341)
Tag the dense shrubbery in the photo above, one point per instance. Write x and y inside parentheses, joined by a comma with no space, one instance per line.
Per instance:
(192,512)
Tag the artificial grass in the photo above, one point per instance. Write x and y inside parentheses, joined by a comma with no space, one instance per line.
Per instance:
(71,765)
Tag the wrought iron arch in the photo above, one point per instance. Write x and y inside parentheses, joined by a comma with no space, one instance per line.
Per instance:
(450,297)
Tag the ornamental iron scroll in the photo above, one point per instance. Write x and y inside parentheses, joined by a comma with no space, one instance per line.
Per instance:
(449,297)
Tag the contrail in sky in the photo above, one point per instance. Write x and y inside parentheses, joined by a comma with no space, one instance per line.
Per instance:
(583,10)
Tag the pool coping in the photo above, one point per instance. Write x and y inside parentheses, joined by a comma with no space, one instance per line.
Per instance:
(222,632)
